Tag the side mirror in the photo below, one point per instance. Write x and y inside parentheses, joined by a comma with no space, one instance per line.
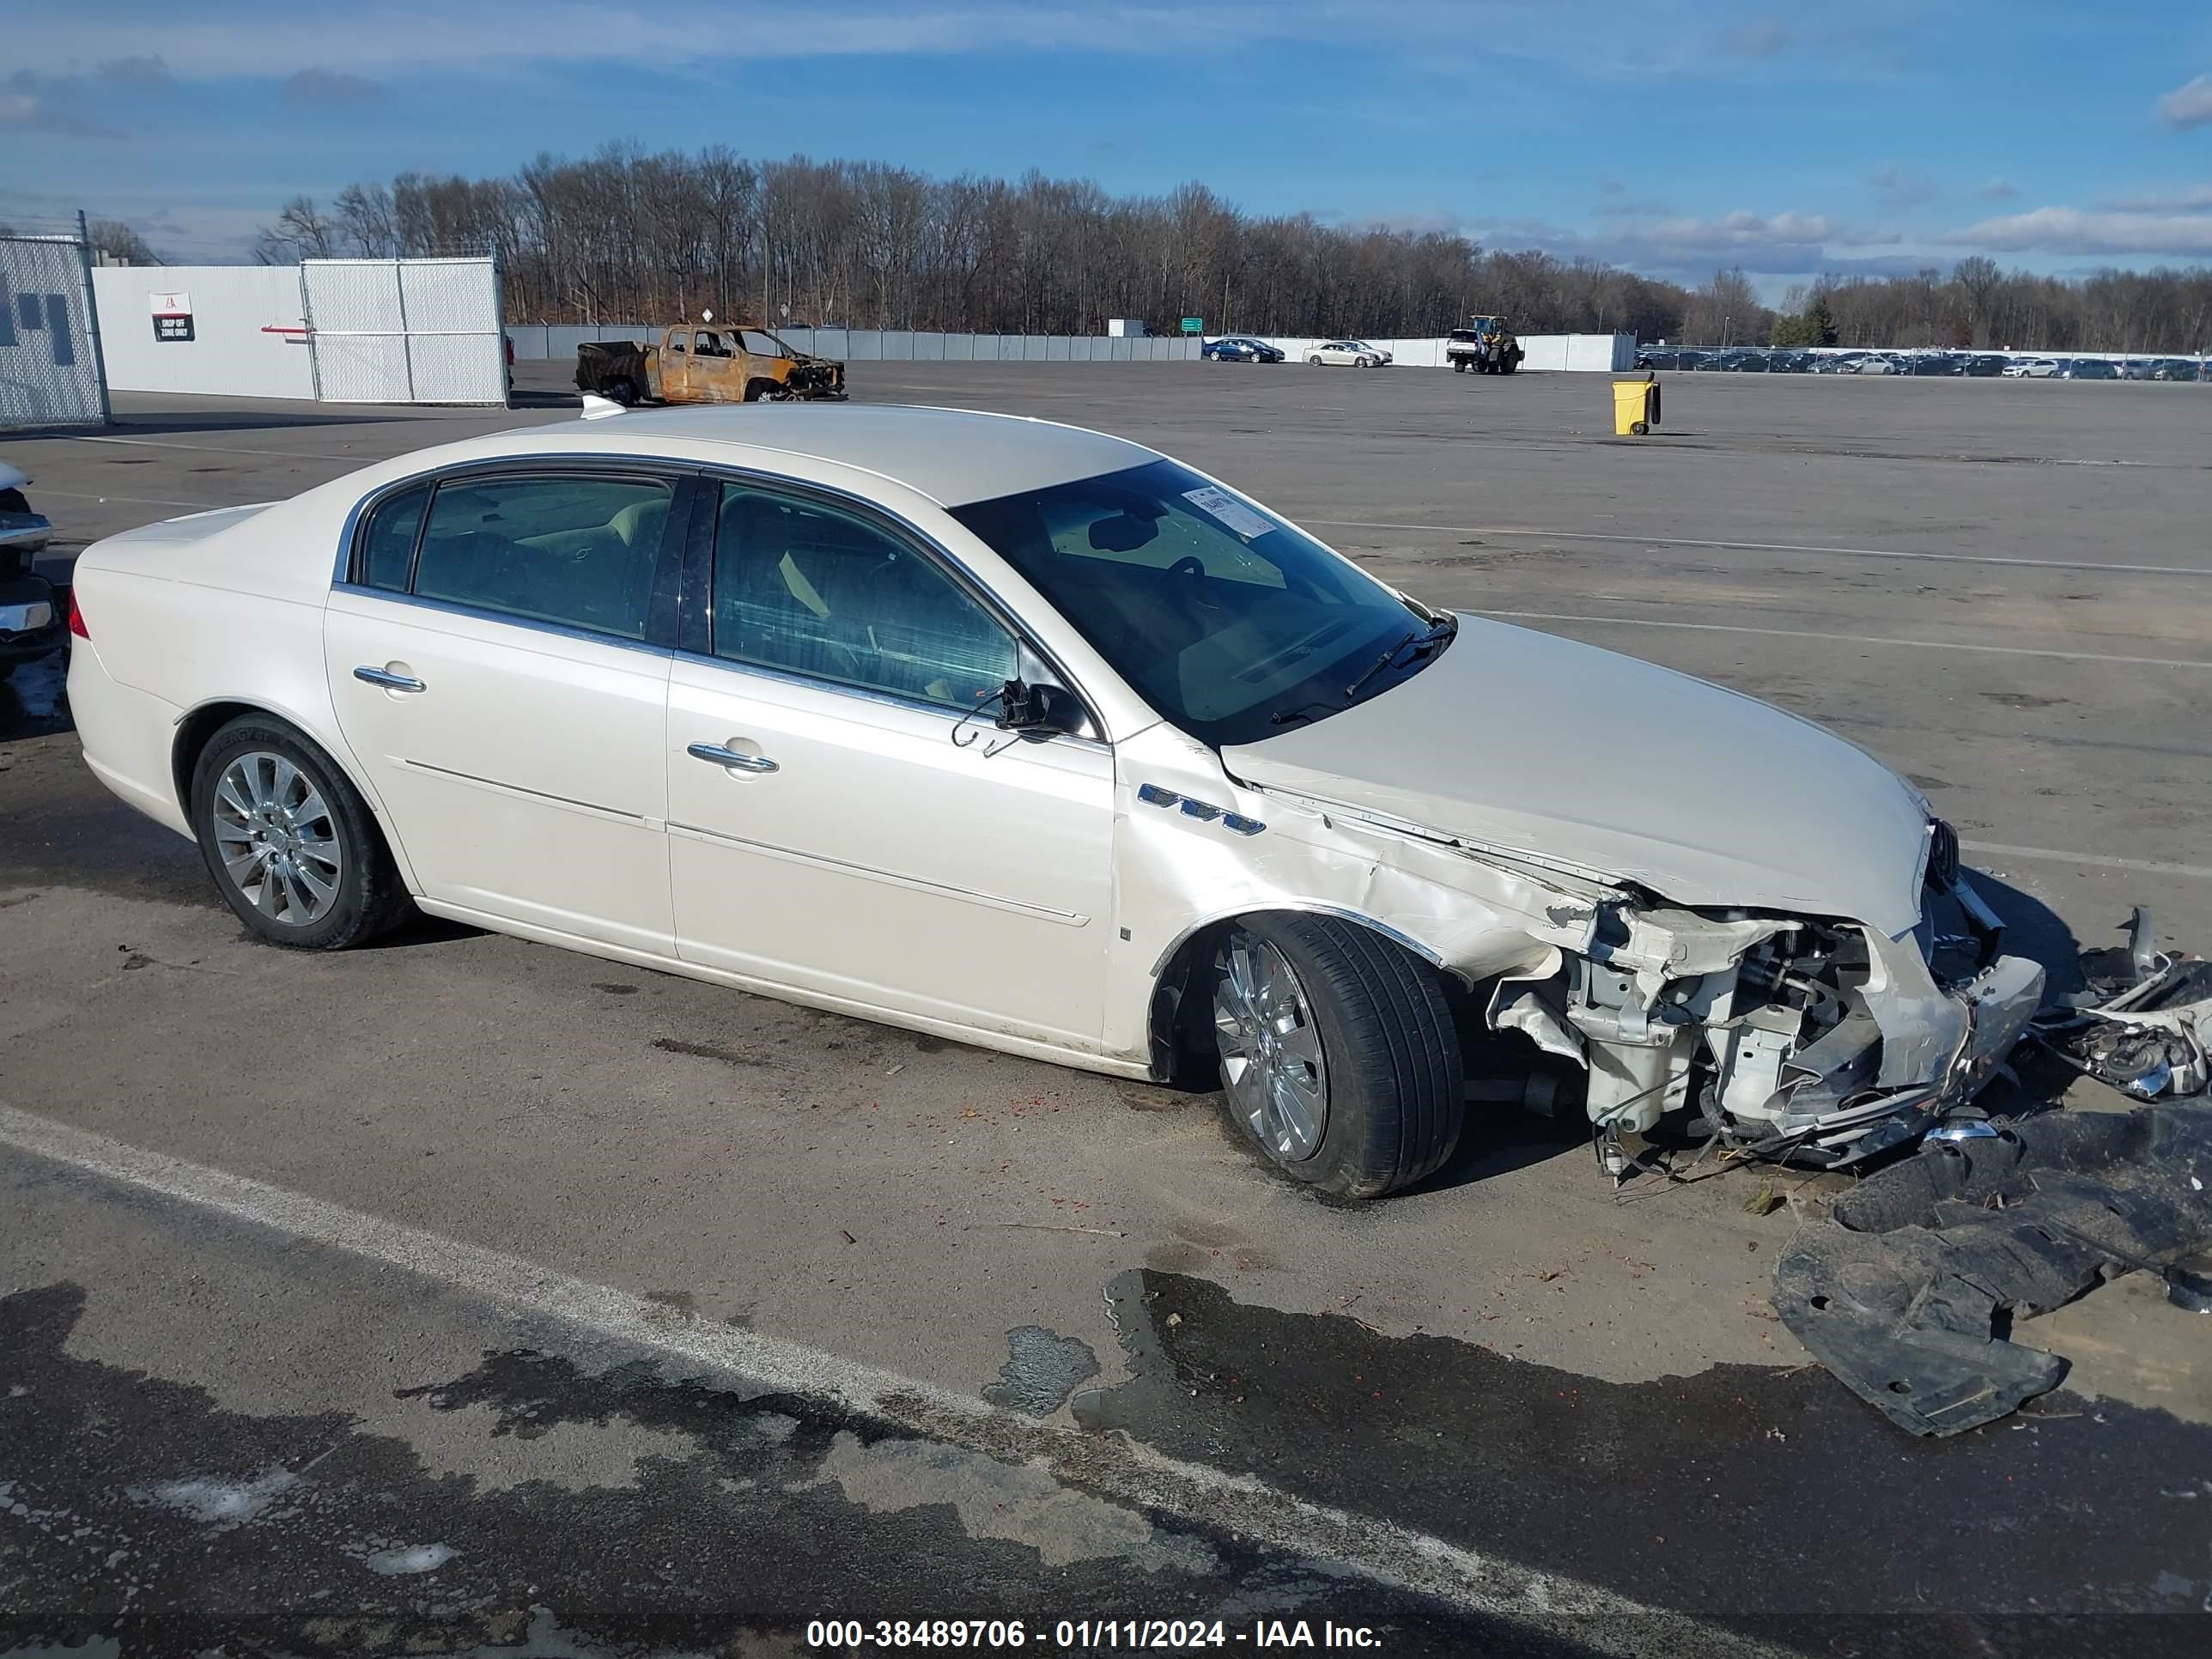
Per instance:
(1039,711)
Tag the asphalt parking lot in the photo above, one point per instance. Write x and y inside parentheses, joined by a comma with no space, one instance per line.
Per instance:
(676,1317)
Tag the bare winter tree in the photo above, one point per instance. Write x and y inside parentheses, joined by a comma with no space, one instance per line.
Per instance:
(119,241)
(627,235)
(300,232)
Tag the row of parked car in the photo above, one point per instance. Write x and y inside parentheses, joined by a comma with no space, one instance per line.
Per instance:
(1783,360)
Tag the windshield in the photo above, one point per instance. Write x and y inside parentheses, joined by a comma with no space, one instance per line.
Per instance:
(1227,620)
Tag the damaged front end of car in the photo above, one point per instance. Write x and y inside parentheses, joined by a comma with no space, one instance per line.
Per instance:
(812,378)
(1815,1040)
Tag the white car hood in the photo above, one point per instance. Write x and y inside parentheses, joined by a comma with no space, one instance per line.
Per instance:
(1527,742)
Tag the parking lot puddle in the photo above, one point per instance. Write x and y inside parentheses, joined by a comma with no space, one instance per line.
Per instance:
(1042,1370)
(1500,1454)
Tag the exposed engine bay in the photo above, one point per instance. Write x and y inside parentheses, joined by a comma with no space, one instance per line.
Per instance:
(1812,1040)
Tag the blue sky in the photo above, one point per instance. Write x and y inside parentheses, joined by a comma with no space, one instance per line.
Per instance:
(1672,136)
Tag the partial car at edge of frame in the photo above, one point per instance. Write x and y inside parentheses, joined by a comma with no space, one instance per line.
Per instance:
(31,622)
(1035,738)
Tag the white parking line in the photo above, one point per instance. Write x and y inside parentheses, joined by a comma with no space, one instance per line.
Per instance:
(2097,861)
(1119,1468)
(1843,638)
(1771,547)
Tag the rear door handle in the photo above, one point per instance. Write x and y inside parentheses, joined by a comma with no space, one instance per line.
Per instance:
(719,756)
(388,680)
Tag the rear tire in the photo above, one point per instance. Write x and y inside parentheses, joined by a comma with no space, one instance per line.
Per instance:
(623,392)
(1379,1103)
(1315,359)
(261,793)
(1459,365)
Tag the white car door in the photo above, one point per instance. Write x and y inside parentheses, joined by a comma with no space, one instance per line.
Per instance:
(492,663)
(844,816)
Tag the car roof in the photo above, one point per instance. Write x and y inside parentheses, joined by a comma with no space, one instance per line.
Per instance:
(953,456)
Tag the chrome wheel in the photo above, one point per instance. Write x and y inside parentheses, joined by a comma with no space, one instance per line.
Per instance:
(277,839)
(1271,1057)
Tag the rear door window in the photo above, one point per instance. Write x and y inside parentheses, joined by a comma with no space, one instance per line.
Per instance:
(580,551)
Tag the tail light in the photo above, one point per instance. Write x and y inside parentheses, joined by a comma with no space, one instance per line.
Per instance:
(76,618)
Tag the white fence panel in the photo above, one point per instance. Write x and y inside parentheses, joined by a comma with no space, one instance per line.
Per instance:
(404,331)
(203,330)
(50,366)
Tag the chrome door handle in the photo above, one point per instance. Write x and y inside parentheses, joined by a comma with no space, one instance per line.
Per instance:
(720,756)
(388,680)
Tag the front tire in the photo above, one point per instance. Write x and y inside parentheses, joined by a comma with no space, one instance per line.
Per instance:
(1339,1062)
(293,847)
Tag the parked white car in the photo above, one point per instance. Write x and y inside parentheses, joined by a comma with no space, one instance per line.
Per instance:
(1351,354)
(2031,369)
(1034,738)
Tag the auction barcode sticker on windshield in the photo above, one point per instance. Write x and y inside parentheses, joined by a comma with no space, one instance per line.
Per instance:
(1225,509)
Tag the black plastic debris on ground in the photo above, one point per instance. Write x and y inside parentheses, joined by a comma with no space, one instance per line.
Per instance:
(1909,1289)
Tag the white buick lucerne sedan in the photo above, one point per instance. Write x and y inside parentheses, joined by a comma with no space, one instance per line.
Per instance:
(1034,738)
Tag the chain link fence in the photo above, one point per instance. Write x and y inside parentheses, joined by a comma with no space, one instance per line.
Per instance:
(50,363)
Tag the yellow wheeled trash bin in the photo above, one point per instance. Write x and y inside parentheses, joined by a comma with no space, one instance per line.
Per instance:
(1635,406)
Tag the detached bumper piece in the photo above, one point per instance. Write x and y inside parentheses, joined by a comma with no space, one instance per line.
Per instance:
(1908,1291)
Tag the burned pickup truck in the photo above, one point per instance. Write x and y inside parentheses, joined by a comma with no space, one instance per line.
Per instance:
(704,363)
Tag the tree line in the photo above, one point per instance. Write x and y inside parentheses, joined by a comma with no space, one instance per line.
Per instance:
(626,235)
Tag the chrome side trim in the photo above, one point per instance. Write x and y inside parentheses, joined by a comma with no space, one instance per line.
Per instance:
(913,883)
(1152,795)
(1301,908)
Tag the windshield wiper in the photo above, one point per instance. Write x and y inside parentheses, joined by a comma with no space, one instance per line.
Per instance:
(1442,629)
(1305,711)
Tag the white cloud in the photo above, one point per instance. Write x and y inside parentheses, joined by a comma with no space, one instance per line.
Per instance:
(2189,105)
(33,103)
(1790,244)
(2178,198)
(2079,230)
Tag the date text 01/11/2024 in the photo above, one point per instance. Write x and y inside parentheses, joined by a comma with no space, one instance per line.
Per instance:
(1083,1635)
